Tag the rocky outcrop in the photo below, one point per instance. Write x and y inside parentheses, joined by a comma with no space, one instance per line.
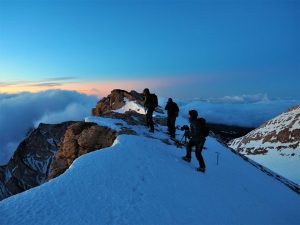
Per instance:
(116,100)
(109,106)
(79,139)
(279,134)
(29,166)
(48,151)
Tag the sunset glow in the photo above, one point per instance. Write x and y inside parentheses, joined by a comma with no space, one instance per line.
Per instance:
(102,88)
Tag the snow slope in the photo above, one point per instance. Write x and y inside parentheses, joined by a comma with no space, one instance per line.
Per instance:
(141,180)
(275,144)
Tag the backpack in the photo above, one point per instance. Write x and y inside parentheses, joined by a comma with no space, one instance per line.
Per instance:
(176,109)
(204,130)
(154,100)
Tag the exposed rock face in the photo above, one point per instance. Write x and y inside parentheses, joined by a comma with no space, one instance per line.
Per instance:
(116,100)
(48,151)
(281,133)
(29,166)
(79,139)
(109,106)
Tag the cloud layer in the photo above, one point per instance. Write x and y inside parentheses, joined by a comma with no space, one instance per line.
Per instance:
(245,110)
(20,112)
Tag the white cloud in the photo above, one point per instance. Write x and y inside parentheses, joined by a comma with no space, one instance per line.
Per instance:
(19,112)
(245,110)
(262,98)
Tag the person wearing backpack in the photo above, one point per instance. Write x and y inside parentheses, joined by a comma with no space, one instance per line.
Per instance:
(197,134)
(150,103)
(173,111)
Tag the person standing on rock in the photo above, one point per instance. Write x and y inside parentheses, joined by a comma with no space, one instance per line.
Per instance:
(197,136)
(173,111)
(150,103)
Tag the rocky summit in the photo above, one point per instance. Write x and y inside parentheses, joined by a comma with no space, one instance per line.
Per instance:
(116,100)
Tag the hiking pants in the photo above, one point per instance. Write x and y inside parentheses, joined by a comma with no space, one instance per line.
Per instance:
(171,125)
(199,146)
(149,118)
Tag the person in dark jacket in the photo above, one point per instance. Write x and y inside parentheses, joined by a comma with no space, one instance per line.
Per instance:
(197,139)
(150,107)
(173,110)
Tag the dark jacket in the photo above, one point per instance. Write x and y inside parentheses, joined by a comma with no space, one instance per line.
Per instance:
(148,103)
(172,109)
(197,130)
(194,131)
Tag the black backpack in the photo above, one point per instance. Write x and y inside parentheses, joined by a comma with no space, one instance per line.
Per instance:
(204,130)
(154,100)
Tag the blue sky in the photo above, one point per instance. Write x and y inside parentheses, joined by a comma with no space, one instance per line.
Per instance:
(191,48)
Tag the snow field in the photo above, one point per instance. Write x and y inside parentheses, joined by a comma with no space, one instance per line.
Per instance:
(140,180)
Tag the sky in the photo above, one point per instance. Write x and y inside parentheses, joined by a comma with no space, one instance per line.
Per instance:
(183,49)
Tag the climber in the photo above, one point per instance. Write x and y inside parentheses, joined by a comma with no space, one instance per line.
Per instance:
(197,134)
(150,103)
(173,111)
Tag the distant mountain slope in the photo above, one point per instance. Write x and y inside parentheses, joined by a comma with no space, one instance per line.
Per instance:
(275,144)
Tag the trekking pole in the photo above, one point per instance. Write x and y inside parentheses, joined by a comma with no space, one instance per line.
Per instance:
(218,153)
(182,138)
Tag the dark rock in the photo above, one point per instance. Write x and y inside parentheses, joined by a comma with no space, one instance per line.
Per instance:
(29,166)
(79,139)
(116,100)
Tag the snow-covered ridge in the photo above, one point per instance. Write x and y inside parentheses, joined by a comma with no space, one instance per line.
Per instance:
(275,144)
(142,180)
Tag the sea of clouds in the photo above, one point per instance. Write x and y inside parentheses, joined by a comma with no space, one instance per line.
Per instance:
(20,112)
(245,110)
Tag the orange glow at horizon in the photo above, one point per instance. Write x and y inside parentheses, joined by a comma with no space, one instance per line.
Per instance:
(98,88)
(103,88)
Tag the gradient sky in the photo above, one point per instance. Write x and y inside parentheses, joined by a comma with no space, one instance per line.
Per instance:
(177,48)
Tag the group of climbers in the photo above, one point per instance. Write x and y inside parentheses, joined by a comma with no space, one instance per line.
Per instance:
(196,133)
